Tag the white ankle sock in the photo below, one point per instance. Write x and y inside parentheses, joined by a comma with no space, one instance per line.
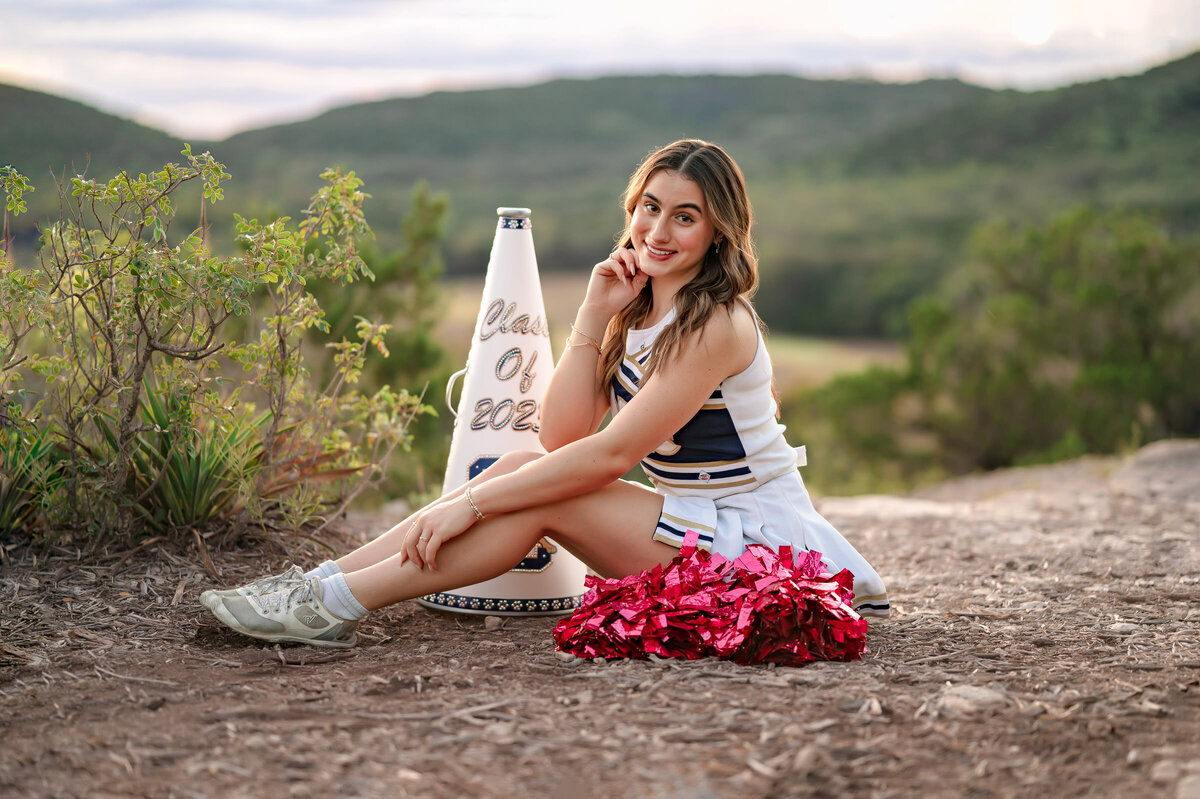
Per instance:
(336,595)
(326,569)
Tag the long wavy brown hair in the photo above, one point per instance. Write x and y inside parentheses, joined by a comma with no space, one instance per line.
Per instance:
(729,271)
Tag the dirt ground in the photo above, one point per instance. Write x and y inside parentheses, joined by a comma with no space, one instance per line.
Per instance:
(1045,641)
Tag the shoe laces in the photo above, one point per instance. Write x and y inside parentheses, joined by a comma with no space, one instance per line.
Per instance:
(287,597)
(276,583)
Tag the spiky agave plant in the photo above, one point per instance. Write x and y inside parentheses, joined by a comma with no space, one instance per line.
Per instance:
(29,470)
(187,475)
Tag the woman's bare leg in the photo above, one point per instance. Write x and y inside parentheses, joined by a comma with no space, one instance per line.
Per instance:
(609,529)
(389,543)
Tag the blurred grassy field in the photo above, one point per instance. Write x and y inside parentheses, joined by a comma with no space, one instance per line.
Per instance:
(800,361)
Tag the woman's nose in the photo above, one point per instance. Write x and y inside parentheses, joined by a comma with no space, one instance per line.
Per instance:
(659,230)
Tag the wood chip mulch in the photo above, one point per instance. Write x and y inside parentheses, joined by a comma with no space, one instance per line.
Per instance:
(1045,641)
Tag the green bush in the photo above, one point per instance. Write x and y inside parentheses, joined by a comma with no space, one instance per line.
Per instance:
(862,435)
(117,304)
(405,291)
(1082,336)
(1079,336)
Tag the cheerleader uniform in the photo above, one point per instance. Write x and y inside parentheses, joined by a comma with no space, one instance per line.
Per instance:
(730,475)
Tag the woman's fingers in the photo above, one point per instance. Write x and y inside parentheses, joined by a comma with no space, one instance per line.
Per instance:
(620,264)
(411,547)
(627,260)
(635,269)
(421,545)
(432,545)
(423,548)
(618,268)
(616,280)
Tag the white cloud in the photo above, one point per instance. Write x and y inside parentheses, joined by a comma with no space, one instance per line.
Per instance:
(207,69)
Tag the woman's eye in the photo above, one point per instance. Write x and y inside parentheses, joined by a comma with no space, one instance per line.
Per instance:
(651,207)
(684,218)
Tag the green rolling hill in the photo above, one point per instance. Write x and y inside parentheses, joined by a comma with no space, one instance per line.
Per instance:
(565,148)
(865,193)
(1147,114)
(41,134)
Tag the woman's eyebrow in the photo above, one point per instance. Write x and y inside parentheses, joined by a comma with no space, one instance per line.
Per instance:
(656,201)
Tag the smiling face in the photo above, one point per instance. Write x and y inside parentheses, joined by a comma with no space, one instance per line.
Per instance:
(670,229)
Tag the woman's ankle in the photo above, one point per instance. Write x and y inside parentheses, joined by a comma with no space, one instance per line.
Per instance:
(327,568)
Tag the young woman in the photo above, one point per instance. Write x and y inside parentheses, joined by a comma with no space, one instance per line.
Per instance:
(666,339)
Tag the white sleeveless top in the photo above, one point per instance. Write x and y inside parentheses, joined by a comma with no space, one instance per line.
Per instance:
(732,445)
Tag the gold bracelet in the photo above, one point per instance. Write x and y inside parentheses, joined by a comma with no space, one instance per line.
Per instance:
(590,340)
(471,502)
(571,346)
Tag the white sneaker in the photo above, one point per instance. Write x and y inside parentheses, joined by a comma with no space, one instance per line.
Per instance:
(264,585)
(295,614)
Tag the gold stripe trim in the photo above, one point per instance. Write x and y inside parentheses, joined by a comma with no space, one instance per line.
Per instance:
(695,525)
(674,542)
(635,367)
(870,598)
(696,484)
(666,464)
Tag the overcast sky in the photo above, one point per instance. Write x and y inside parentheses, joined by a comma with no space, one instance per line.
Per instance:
(208,68)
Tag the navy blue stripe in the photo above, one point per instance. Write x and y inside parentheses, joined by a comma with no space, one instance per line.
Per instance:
(712,475)
(681,533)
(620,391)
(633,378)
(874,605)
(642,361)
(709,422)
(710,435)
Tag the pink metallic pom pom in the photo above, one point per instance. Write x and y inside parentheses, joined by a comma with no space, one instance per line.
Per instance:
(763,607)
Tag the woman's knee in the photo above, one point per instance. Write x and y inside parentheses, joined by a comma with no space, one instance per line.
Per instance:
(511,461)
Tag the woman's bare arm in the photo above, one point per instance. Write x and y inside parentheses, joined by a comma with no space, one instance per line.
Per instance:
(573,406)
(668,400)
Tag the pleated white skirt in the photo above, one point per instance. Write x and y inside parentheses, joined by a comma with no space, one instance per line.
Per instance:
(777,513)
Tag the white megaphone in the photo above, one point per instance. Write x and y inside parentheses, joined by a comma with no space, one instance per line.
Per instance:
(507,372)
